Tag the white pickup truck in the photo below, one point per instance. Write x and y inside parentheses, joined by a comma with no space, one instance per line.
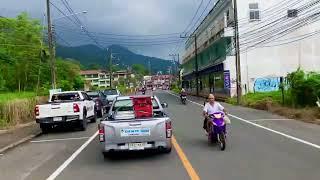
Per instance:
(66,107)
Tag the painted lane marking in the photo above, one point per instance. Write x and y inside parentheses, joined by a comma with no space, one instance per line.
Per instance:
(72,157)
(186,163)
(260,120)
(53,140)
(263,127)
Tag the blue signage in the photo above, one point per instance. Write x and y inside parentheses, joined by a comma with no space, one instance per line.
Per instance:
(227,83)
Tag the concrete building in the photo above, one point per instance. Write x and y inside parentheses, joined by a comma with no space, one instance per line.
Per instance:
(276,38)
(98,78)
(101,78)
(158,81)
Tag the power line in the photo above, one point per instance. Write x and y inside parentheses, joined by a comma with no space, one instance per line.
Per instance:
(200,16)
(194,16)
(66,42)
(78,22)
(124,38)
(283,26)
(258,33)
(285,31)
(151,36)
(274,10)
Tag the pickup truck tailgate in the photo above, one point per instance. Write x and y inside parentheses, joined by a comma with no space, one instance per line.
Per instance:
(55,109)
(135,130)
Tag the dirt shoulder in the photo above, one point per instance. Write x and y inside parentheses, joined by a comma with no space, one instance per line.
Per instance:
(17,135)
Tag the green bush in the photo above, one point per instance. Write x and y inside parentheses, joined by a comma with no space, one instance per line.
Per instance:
(304,88)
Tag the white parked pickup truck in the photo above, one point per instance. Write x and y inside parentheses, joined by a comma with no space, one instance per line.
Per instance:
(66,107)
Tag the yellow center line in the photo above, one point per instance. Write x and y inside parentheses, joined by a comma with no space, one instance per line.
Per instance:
(186,163)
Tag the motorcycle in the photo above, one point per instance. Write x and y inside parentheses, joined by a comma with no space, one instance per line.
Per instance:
(183,98)
(143,92)
(217,133)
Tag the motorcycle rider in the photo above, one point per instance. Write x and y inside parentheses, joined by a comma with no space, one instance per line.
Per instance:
(211,107)
(182,93)
(143,90)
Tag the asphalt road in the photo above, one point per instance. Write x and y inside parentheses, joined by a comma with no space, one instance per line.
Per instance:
(259,146)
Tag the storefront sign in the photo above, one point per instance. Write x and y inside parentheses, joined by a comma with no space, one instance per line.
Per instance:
(227,82)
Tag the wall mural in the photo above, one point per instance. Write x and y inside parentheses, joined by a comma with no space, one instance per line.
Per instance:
(266,84)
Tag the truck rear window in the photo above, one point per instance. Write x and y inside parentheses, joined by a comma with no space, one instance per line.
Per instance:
(65,97)
(123,105)
(93,94)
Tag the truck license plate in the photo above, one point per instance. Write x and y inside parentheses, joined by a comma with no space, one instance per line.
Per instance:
(57,119)
(135,132)
(136,146)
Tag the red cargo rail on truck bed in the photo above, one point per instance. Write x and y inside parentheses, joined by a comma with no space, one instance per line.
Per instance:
(142,107)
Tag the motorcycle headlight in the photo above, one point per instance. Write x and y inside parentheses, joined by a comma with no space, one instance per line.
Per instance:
(218,116)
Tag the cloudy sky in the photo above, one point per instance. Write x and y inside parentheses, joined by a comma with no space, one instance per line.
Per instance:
(151,27)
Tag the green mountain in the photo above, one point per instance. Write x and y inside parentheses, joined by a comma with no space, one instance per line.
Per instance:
(91,54)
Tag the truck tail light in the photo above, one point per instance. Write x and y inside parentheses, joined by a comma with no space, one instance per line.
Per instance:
(36,111)
(101,133)
(168,129)
(76,108)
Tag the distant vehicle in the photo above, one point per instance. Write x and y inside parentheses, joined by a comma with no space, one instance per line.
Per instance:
(111,95)
(132,127)
(183,98)
(143,91)
(66,107)
(100,100)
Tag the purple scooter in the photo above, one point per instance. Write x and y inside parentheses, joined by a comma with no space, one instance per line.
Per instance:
(217,130)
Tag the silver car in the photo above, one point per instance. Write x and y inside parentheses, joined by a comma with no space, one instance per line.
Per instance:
(121,131)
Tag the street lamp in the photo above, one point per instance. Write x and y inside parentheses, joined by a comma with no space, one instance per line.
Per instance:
(82,12)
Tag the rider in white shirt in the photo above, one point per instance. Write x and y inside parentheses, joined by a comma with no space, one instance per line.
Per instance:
(211,107)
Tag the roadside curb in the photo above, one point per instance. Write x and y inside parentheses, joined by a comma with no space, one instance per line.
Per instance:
(3,131)
(21,141)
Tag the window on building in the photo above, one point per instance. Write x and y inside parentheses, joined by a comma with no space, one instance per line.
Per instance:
(292,13)
(254,12)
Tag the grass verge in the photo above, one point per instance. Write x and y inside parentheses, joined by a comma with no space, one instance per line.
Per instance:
(17,108)
(272,102)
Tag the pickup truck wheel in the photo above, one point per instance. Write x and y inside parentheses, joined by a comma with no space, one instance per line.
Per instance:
(106,154)
(45,128)
(94,118)
(83,123)
(167,151)
(100,113)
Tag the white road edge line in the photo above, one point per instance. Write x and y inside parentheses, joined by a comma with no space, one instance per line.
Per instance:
(64,139)
(265,128)
(71,158)
(260,120)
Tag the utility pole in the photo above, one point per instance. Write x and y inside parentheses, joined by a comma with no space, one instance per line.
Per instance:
(110,68)
(149,67)
(196,60)
(176,68)
(175,61)
(51,50)
(237,51)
